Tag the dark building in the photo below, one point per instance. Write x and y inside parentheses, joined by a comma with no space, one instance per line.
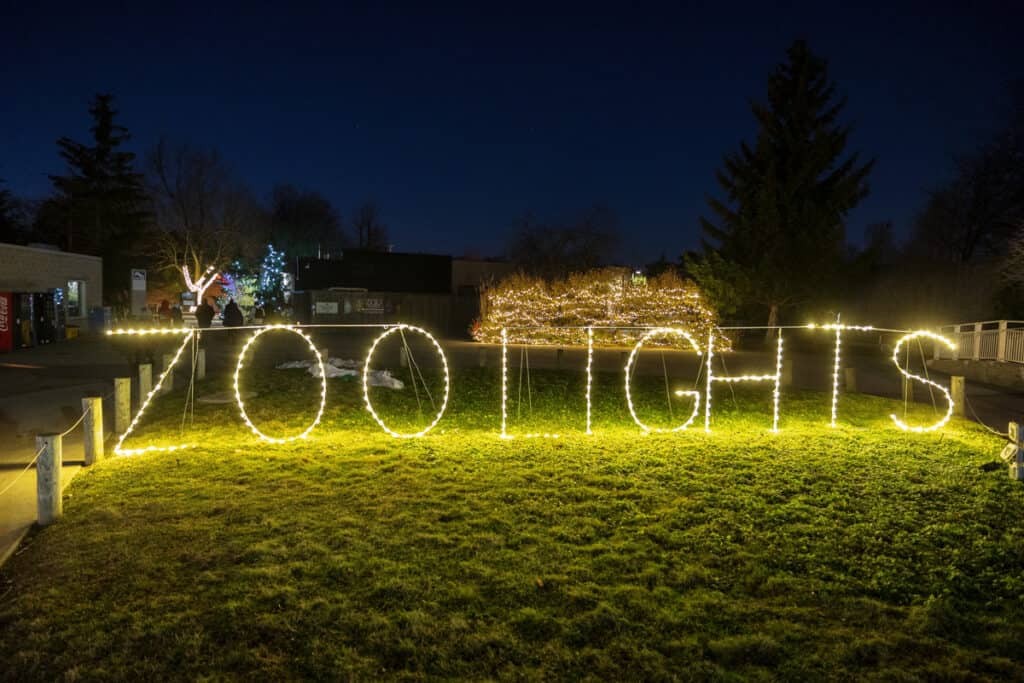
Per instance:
(377,271)
(439,293)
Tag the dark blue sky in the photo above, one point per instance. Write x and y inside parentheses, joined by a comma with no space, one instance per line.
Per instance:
(459,120)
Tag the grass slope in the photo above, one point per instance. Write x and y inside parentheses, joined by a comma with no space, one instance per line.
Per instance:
(814,553)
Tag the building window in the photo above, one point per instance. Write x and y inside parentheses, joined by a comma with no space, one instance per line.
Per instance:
(76,298)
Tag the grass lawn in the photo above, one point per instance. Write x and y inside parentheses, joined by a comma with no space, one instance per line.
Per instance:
(854,553)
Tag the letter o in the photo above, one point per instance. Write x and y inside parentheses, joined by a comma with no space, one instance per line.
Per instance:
(323,380)
(366,379)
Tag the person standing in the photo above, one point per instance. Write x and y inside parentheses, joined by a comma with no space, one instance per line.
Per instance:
(232,315)
(204,314)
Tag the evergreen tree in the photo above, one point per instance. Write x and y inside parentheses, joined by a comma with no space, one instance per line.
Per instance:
(12,220)
(270,292)
(100,200)
(779,230)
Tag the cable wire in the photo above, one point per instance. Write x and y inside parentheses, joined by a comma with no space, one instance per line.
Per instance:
(22,473)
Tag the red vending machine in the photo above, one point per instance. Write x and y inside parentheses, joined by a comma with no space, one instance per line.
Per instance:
(6,320)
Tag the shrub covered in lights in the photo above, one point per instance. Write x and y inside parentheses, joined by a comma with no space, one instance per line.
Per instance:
(532,309)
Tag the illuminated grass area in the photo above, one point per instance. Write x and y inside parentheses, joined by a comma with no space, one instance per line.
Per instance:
(814,553)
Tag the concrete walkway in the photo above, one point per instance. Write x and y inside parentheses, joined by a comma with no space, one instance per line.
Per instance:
(41,391)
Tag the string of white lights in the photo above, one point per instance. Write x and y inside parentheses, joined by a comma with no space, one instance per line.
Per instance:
(590,378)
(707,390)
(504,383)
(633,357)
(151,330)
(200,286)
(323,384)
(906,373)
(145,403)
(778,382)
(835,375)
(366,380)
(776,378)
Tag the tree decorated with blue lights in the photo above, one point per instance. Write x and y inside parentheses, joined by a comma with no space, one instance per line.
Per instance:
(270,292)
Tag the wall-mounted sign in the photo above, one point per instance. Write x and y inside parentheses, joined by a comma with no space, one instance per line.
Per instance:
(6,336)
(326,308)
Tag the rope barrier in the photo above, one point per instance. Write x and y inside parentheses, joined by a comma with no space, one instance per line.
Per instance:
(40,451)
(1005,435)
(22,473)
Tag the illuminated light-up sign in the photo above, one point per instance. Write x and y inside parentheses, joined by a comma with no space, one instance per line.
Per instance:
(629,367)
(323,380)
(949,399)
(146,400)
(776,378)
(401,328)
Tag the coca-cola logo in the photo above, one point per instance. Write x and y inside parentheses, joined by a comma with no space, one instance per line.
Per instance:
(3,314)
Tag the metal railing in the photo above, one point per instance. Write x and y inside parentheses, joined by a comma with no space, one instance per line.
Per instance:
(1001,340)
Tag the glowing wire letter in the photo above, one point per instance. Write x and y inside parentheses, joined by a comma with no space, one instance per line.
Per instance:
(504,383)
(776,378)
(366,379)
(949,399)
(323,380)
(590,365)
(634,355)
(145,403)
(835,375)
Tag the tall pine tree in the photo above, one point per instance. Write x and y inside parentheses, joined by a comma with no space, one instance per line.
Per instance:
(100,201)
(779,228)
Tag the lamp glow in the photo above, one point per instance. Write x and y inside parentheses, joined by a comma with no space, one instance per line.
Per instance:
(323,380)
(366,380)
(629,365)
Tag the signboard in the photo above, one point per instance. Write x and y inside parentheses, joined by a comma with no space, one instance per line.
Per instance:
(326,308)
(774,379)
(139,293)
(6,336)
(373,305)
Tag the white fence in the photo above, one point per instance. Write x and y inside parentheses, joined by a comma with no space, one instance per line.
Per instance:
(1001,340)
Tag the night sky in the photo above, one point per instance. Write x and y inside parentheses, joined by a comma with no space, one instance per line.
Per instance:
(458,121)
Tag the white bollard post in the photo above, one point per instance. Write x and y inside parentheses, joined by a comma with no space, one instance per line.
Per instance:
(850,375)
(145,381)
(122,404)
(169,380)
(92,425)
(201,364)
(958,392)
(48,503)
